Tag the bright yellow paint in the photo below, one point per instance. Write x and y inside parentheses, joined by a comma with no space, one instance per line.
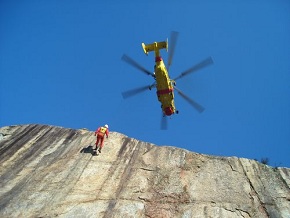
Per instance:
(163,82)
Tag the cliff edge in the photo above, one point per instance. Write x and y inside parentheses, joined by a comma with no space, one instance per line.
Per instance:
(48,171)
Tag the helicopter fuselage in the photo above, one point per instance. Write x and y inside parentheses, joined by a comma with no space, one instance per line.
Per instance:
(164,88)
(164,85)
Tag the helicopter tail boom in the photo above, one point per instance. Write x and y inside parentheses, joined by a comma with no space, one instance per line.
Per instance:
(156,46)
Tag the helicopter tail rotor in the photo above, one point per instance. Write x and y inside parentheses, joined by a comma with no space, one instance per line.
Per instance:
(172,44)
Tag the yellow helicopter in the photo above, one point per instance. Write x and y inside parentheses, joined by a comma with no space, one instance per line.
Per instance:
(164,85)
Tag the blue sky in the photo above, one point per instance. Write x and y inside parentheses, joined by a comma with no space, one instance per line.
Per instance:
(60,64)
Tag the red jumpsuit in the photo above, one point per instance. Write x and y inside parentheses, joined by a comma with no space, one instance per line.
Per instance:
(100,133)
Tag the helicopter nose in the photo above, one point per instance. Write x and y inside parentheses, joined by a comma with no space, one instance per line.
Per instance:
(169,111)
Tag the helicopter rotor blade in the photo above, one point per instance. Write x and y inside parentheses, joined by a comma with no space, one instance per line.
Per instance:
(197,106)
(130,61)
(163,125)
(172,45)
(135,91)
(208,61)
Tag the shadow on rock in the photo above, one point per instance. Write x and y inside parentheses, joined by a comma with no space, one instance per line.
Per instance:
(89,150)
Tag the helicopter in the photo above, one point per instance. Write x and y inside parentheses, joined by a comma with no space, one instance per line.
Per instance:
(163,83)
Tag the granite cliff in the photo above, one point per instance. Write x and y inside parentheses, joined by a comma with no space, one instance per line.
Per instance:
(49,171)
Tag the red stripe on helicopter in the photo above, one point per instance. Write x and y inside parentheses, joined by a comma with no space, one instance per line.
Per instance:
(158,59)
(164,91)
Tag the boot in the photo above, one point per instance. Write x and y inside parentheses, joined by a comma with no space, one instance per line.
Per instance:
(100,150)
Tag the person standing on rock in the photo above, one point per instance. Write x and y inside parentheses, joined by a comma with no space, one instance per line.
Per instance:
(100,133)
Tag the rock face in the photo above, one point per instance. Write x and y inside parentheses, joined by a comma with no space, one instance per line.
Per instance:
(49,171)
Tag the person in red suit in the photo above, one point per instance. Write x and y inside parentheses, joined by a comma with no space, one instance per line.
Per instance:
(100,133)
